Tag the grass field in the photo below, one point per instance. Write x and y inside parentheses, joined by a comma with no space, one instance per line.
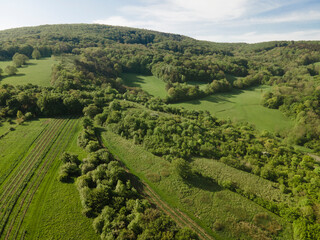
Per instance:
(55,212)
(5,127)
(34,205)
(238,105)
(203,200)
(150,84)
(247,182)
(13,150)
(37,72)
(242,105)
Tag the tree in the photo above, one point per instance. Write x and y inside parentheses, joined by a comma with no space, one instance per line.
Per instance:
(19,59)
(182,167)
(36,54)
(11,70)
(1,71)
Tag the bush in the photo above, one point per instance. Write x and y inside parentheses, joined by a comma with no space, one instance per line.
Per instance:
(67,171)
(92,146)
(182,167)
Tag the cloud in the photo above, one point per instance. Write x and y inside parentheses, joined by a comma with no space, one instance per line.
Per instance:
(254,37)
(203,18)
(290,17)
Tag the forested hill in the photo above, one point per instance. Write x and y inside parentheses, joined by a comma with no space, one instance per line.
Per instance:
(89,65)
(178,60)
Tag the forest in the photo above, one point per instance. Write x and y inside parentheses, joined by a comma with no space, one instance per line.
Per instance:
(87,81)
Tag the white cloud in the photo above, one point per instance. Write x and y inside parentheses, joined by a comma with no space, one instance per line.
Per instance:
(254,37)
(203,17)
(291,17)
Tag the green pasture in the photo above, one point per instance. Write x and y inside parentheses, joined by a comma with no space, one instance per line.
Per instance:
(55,212)
(150,84)
(37,72)
(15,145)
(248,182)
(202,199)
(242,105)
(5,127)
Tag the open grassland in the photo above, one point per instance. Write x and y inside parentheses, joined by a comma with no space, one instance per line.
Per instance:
(247,182)
(13,150)
(55,212)
(242,105)
(222,213)
(37,72)
(150,84)
(5,128)
(238,105)
(29,181)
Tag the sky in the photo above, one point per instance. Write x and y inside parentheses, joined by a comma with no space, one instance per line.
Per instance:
(212,20)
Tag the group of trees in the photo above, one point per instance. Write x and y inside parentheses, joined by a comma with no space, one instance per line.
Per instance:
(88,81)
(107,195)
(189,134)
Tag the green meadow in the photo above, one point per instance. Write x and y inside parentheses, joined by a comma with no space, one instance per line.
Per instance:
(222,213)
(150,84)
(242,105)
(238,105)
(37,72)
(55,212)
(45,207)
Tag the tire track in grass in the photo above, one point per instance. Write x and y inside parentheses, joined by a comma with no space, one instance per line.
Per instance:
(60,144)
(179,217)
(15,185)
(25,164)
(25,172)
(18,188)
(16,163)
(18,177)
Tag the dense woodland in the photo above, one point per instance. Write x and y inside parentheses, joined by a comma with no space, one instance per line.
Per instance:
(88,81)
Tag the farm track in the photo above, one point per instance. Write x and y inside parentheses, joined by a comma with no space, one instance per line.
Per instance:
(20,178)
(25,163)
(180,218)
(4,177)
(58,146)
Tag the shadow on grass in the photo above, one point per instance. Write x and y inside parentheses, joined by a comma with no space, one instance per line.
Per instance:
(30,64)
(205,183)
(133,80)
(224,96)
(16,75)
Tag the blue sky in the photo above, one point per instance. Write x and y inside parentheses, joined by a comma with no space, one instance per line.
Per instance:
(213,20)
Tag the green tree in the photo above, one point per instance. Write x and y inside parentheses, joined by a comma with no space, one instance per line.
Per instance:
(36,54)
(182,167)
(19,59)
(11,70)
(1,71)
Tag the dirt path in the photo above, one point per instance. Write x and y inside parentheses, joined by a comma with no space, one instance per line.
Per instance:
(315,157)
(180,218)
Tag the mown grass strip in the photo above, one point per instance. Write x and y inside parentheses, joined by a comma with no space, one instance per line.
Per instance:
(24,167)
(26,171)
(57,147)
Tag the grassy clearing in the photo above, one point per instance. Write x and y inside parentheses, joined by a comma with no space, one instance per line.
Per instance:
(224,214)
(34,204)
(245,181)
(202,85)
(17,189)
(37,72)
(242,105)
(150,84)
(55,212)
(12,149)
(5,127)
